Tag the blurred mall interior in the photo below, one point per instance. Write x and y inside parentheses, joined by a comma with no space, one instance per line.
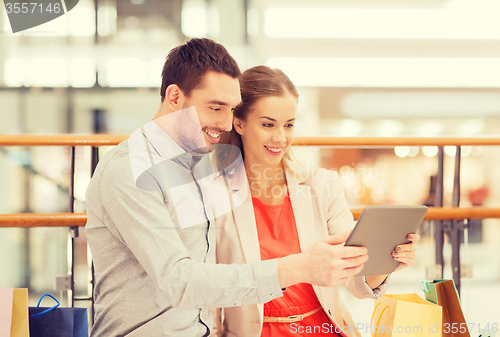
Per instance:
(364,68)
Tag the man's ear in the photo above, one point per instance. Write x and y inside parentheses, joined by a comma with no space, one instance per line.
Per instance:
(174,97)
(238,125)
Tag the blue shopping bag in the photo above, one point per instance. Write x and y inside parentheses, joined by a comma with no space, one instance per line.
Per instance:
(58,322)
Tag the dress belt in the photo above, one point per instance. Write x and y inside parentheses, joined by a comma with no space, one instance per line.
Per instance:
(291,319)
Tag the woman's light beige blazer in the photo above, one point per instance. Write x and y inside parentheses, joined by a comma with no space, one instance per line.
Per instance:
(319,207)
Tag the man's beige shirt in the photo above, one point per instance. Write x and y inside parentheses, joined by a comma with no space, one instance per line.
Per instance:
(152,277)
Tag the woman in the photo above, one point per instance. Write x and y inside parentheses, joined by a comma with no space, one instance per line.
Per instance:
(289,207)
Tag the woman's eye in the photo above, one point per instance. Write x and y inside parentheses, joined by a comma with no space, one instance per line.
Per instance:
(289,125)
(267,125)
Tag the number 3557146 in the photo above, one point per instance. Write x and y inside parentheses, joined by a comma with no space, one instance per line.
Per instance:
(32,7)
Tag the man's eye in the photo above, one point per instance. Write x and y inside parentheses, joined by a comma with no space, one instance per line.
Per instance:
(216,109)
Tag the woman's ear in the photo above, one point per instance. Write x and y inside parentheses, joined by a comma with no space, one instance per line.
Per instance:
(239,125)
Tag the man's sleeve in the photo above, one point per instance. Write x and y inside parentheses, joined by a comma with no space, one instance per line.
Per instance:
(141,220)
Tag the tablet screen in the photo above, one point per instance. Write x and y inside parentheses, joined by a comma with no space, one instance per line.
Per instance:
(380,229)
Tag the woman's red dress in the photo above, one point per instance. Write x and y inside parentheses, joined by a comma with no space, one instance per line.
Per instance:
(278,237)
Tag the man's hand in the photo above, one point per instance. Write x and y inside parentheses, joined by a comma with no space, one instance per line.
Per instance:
(405,254)
(326,263)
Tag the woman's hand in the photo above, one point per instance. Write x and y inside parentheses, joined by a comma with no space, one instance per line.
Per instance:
(405,254)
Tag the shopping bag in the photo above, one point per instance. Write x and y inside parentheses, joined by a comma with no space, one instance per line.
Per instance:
(405,315)
(14,312)
(444,293)
(58,322)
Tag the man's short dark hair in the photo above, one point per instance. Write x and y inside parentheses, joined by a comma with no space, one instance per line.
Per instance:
(186,64)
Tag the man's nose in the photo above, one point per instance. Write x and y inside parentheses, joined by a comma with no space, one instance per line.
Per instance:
(225,121)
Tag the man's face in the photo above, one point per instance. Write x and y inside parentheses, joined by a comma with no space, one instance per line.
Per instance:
(215,99)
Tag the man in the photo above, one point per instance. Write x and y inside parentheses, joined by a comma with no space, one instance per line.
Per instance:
(149,227)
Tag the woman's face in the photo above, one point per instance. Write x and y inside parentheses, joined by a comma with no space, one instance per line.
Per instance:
(268,131)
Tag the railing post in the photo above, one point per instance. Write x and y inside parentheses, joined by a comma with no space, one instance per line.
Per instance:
(93,165)
(94,160)
(457,225)
(438,202)
(27,231)
(73,230)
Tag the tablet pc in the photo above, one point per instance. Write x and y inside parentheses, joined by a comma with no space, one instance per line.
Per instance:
(380,229)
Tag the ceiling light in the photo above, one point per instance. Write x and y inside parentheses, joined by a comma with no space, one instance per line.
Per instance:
(450,150)
(402,151)
(481,22)
(430,151)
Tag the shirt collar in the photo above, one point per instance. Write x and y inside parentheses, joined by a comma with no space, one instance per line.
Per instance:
(166,147)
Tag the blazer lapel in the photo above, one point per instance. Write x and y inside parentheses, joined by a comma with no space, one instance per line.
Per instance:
(300,197)
(243,214)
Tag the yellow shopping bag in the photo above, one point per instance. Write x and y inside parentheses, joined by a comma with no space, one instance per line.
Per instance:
(406,315)
(14,312)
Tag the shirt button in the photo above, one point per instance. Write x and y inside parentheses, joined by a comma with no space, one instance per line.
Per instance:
(188,155)
(272,295)
(237,303)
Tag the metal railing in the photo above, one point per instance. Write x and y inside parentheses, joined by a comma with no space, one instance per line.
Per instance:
(29,220)
(109,140)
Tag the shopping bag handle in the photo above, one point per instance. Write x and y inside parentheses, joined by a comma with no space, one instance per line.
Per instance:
(424,286)
(379,317)
(49,309)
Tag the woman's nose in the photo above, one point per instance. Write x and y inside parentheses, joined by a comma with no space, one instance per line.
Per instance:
(279,136)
